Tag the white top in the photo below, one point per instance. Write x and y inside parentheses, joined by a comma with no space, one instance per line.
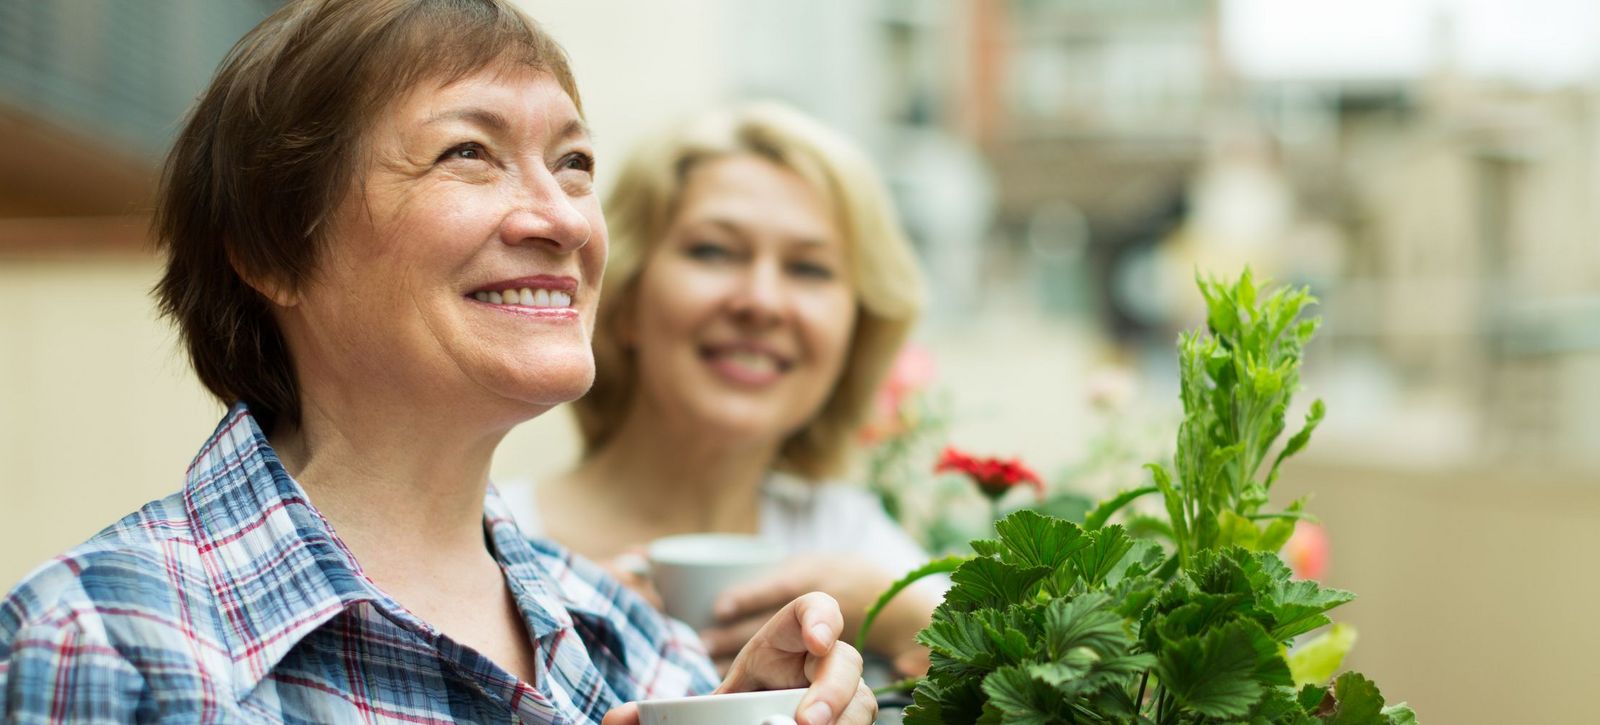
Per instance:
(801,517)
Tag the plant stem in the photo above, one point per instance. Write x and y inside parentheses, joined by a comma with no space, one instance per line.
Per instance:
(1138,702)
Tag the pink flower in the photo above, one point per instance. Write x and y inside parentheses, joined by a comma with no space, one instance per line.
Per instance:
(1307,550)
(993,476)
(913,370)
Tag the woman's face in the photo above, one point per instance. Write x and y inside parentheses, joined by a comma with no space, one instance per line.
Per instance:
(745,309)
(463,269)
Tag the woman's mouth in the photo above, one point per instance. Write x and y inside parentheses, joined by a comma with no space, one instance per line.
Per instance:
(745,366)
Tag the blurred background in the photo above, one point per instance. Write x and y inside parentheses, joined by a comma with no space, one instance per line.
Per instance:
(1431,168)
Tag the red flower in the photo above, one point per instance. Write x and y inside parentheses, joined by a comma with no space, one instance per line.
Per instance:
(993,476)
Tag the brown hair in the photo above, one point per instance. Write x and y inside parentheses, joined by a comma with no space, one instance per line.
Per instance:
(883,269)
(272,146)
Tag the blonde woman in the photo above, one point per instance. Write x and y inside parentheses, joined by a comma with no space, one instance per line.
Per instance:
(758,289)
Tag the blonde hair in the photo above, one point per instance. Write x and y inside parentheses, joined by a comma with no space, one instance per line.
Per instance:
(888,284)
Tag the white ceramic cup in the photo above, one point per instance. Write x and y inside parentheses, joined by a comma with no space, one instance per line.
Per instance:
(689,571)
(773,707)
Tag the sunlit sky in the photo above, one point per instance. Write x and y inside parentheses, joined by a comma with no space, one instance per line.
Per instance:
(1544,42)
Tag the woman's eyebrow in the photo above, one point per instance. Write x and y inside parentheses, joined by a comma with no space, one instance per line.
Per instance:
(498,123)
(481,117)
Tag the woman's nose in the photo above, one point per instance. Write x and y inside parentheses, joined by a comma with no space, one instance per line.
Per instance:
(546,216)
(761,296)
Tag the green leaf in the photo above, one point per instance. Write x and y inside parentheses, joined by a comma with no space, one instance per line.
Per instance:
(1315,661)
(1278,532)
(1021,699)
(1034,540)
(1088,621)
(1174,503)
(1297,607)
(1278,707)
(987,547)
(984,582)
(1400,714)
(1146,526)
(937,566)
(1103,553)
(1359,701)
(1237,531)
(1311,697)
(939,702)
(961,637)
(1299,441)
(1223,672)
(1103,513)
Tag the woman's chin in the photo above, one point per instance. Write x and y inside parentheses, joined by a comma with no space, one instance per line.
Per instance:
(551,385)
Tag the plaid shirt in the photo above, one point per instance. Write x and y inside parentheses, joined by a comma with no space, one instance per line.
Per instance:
(233,601)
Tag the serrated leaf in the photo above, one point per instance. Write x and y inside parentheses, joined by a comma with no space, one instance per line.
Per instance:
(1021,699)
(1278,707)
(1033,540)
(960,636)
(1088,621)
(1359,701)
(1223,672)
(1221,572)
(1315,661)
(985,582)
(1299,440)
(1104,552)
(1400,714)
(940,702)
(987,547)
(1310,698)
(1297,607)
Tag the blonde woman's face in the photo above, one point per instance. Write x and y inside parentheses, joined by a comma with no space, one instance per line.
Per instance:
(745,310)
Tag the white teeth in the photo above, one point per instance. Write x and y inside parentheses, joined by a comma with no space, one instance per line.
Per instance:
(526,297)
(753,361)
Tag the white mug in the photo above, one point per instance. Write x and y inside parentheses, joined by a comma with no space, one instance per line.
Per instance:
(772,707)
(690,571)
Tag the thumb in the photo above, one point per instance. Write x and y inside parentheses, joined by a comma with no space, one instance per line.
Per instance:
(625,715)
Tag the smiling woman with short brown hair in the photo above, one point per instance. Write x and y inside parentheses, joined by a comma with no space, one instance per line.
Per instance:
(384,251)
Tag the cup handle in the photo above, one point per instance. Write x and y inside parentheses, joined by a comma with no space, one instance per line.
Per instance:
(779,720)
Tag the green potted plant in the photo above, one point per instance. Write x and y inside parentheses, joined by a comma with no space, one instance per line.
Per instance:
(1056,622)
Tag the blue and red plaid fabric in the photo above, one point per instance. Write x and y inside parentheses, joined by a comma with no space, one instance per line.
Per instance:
(233,601)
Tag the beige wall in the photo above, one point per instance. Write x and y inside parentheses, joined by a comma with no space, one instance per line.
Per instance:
(1476,587)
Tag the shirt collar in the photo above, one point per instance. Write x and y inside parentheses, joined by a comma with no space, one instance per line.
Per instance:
(277,569)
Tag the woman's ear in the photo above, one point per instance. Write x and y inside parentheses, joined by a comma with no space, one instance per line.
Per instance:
(277,291)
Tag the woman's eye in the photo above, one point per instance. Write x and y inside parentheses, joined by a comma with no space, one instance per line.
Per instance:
(709,252)
(811,270)
(579,162)
(471,151)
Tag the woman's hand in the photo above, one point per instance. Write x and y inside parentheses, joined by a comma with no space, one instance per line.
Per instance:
(797,647)
(800,646)
(742,610)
